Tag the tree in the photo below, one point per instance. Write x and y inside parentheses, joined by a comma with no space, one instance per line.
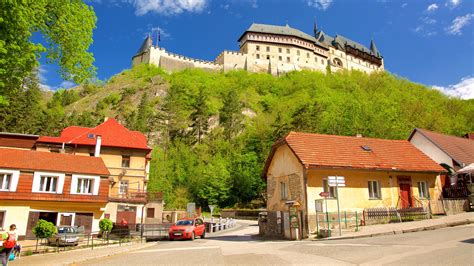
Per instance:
(200,116)
(230,115)
(65,25)
(44,229)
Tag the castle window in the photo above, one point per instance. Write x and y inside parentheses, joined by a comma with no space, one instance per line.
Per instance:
(268,57)
(287,51)
(279,58)
(298,52)
(279,50)
(258,56)
(322,61)
(307,55)
(268,48)
(337,62)
(288,59)
(258,48)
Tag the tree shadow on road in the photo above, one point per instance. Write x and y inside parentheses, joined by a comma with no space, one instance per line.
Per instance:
(469,241)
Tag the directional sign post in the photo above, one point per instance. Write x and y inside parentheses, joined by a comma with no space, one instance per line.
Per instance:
(337,181)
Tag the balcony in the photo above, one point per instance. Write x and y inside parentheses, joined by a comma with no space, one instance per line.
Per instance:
(135,196)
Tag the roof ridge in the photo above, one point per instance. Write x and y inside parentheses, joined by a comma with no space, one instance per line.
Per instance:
(352,137)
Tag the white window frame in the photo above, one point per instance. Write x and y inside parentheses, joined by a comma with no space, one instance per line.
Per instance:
(377,192)
(332,190)
(95,184)
(37,182)
(423,190)
(15,176)
(283,191)
(120,187)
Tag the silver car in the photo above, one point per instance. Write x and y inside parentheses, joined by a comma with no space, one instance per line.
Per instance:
(66,235)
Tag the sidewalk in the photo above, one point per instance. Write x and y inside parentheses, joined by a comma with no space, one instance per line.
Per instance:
(79,255)
(407,227)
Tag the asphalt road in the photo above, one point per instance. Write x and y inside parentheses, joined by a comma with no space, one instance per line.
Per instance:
(447,246)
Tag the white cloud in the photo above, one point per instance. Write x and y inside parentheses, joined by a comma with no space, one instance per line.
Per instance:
(453,3)
(168,7)
(320,4)
(66,84)
(432,8)
(41,74)
(428,20)
(459,23)
(404,5)
(464,89)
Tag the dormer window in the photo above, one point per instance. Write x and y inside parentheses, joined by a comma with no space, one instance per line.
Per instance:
(9,180)
(5,181)
(82,184)
(48,182)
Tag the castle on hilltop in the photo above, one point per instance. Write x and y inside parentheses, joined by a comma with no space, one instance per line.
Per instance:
(275,50)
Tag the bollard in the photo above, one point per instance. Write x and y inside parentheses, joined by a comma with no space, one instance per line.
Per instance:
(345,219)
(357,222)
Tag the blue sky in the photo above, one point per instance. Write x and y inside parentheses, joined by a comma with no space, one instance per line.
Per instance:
(429,42)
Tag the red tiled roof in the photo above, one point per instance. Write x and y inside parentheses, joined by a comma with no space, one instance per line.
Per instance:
(112,132)
(460,149)
(317,150)
(54,162)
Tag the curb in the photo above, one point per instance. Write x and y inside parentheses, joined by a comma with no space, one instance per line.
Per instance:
(99,256)
(404,231)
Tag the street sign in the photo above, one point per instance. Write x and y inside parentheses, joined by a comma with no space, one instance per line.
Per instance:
(324,194)
(336,181)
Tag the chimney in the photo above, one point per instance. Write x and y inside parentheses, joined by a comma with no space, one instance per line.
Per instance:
(98,143)
(358,135)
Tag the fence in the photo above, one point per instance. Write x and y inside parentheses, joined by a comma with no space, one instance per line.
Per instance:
(328,222)
(69,241)
(392,214)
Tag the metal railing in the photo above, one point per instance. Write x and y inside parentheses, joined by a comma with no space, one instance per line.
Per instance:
(136,195)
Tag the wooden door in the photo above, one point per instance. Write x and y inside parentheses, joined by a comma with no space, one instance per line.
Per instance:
(65,219)
(33,218)
(405,196)
(84,219)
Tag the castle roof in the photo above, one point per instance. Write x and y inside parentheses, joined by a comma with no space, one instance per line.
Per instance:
(147,43)
(279,30)
(320,39)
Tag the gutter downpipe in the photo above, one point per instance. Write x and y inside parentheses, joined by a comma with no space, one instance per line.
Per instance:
(305,182)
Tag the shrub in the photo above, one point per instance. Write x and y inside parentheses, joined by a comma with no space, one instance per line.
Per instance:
(105,225)
(44,229)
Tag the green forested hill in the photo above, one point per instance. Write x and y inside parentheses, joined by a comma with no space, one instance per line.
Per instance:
(213,131)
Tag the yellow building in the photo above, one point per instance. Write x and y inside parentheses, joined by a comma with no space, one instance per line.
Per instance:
(126,155)
(377,173)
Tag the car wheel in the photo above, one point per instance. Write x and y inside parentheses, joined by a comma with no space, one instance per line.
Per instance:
(203,235)
(193,236)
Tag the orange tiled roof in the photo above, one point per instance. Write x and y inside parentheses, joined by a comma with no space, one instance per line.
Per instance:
(112,132)
(460,149)
(318,150)
(54,162)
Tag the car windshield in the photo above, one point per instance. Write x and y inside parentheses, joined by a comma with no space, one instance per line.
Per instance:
(66,230)
(184,222)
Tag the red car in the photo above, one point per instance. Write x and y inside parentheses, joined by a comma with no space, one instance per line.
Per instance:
(187,229)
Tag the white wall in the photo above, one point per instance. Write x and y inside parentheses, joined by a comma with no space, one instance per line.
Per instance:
(430,149)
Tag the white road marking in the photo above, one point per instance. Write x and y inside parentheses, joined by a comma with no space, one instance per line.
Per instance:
(350,245)
(175,249)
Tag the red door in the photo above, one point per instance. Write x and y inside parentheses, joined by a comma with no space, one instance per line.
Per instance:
(405,196)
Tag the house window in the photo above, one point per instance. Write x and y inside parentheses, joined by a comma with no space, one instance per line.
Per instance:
(126,161)
(150,212)
(5,181)
(268,49)
(283,191)
(123,187)
(85,185)
(327,188)
(48,183)
(258,48)
(279,50)
(423,190)
(258,56)
(374,190)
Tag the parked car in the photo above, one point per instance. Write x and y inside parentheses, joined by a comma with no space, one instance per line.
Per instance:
(66,235)
(187,229)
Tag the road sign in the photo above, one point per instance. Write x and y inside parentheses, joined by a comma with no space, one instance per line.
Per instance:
(336,181)
(324,194)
